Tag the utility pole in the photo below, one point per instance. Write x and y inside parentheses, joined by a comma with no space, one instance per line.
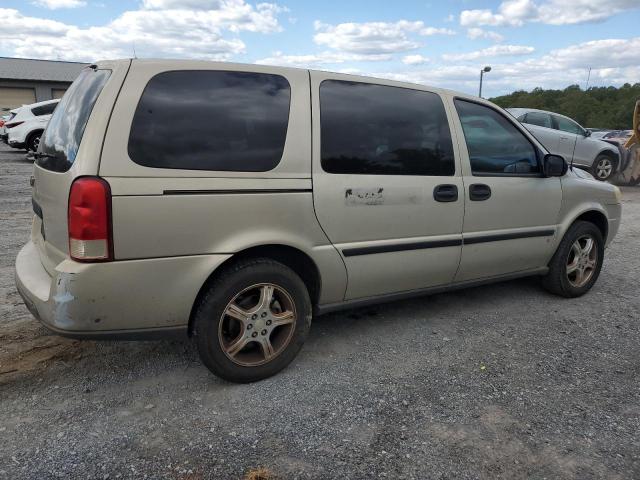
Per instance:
(486,69)
(588,78)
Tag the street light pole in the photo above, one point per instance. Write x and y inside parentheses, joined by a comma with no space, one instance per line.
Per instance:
(486,69)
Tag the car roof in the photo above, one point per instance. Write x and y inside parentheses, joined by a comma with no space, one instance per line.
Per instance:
(193,64)
(45,102)
(527,110)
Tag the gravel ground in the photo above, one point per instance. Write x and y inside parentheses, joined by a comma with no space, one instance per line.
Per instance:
(502,381)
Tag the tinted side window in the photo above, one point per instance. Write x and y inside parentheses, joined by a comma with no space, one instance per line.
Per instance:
(539,119)
(211,120)
(568,126)
(495,145)
(44,109)
(61,139)
(381,130)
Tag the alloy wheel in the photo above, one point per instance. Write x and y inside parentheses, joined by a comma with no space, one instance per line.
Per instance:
(582,261)
(604,168)
(257,324)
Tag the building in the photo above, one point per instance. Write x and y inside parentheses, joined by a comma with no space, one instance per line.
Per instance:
(24,81)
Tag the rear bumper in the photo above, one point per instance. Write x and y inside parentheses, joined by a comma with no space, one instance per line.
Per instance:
(135,299)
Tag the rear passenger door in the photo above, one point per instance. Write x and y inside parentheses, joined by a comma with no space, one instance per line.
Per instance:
(511,209)
(386,183)
(540,124)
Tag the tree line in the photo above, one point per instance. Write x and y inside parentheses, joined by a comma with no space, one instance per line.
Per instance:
(596,107)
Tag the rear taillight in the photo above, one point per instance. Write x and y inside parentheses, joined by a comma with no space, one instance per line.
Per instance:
(89,220)
(1,123)
(14,124)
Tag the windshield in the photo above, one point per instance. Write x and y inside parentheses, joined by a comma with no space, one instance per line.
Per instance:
(62,137)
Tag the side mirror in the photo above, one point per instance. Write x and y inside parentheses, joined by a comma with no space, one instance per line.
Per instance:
(587,133)
(554,165)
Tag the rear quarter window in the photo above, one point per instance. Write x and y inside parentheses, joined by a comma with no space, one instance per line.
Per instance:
(44,109)
(61,140)
(211,120)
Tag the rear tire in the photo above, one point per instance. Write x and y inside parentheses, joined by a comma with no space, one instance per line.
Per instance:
(576,265)
(34,141)
(252,320)
(603,167)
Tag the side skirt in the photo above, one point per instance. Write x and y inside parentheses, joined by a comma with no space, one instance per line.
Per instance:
(392,297)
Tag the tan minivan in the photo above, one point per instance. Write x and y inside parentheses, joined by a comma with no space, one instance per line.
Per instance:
(232,202)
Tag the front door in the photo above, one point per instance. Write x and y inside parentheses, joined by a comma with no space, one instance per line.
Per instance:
(511,211)
(386,184)
(570,133)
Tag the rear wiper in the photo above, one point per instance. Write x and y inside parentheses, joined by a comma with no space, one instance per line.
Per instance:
(43,155)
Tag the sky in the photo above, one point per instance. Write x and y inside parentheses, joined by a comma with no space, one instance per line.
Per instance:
(528,43)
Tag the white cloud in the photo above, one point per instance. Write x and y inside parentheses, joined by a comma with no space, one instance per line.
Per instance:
(510,12)
(428,31)
(319,59)
(368,38)
(415,60)
(204,33)
(374,38)
(475,33)
(614,62)
(55,4)
(553,12)
(495,51)
(182,4)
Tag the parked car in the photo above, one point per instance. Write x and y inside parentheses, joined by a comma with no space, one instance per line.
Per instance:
(598,133)
(281,193)
(26,126)
(563,136)
(3,130)
(617,137)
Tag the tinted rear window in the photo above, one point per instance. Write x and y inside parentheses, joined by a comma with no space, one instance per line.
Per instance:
(539,119)
(44,109)
(61,139)
(211,120)
(381,130)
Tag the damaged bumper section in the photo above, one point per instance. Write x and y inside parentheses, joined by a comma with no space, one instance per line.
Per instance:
(122,299)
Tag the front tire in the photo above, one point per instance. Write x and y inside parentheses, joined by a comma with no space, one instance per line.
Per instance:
(252,320)
(603,167)
(576,265)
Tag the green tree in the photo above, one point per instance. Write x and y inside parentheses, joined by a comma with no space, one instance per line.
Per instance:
(597,107)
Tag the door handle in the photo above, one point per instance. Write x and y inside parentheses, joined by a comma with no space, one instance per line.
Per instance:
(445,193)
(479,192)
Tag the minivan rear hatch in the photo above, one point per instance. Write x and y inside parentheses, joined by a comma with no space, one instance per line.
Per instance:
(70,148)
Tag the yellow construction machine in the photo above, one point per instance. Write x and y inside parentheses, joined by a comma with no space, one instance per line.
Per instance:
(630,174)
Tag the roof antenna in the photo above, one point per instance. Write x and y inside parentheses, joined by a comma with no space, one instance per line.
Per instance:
(134,50)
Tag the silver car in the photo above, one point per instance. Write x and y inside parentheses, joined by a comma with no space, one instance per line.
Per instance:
(278,194)
(563,136)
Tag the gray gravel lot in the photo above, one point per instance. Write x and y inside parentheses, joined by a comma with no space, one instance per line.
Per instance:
(502,381)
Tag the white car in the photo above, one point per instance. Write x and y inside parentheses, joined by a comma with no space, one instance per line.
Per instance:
(563,136)
(27,123)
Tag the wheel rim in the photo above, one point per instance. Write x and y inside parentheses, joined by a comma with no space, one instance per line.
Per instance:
(257,324)
(36,143)
(582,261)
(604,168)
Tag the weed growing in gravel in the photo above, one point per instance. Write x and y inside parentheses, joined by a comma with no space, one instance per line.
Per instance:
(259,474)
